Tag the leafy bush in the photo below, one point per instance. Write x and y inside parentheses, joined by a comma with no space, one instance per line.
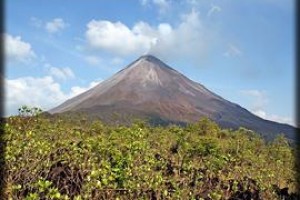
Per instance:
(63,158)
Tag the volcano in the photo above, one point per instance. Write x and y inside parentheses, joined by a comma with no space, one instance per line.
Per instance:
(149,88)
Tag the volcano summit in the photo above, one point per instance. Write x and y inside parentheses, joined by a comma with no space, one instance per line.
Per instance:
(149,88)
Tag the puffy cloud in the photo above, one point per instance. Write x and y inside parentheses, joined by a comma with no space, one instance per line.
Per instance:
(55,25)
(116,38)
(188,39)
(17,50)
(43,92)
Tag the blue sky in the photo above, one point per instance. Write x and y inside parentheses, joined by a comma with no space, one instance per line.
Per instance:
(242,50)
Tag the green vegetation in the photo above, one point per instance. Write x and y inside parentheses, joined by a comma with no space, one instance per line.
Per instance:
(63,158)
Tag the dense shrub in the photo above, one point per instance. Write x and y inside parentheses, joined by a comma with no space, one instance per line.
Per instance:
(61,158)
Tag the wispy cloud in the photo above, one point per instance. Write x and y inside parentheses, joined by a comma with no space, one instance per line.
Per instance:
(193,2)
(213,9)
(162,5)
(260,97)
(93,60)
(144,2)
(54,26)
(62,73)
(232,51)
(116,61)
(260,101)
(36,22)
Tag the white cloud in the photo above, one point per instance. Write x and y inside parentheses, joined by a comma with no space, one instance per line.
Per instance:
(63,73)
(260,113)
(232,51)
(93,60)
(163,5)
(55,25)
(43,92)
(260,101)
(116,37)
(213,9)
(281,119)
(17,50)
(260,98)
(76,90)
(187,40)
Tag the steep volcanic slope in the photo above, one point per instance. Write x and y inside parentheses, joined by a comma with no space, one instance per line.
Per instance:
(150,88)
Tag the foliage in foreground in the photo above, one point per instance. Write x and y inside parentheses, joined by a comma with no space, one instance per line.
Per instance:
(76,159)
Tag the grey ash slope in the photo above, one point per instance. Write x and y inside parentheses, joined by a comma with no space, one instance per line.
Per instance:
(149,88)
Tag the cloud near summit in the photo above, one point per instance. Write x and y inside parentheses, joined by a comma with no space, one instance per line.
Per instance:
(189,37)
